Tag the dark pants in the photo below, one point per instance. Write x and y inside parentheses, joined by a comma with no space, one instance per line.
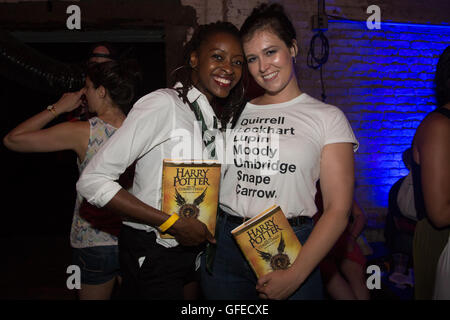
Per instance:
(233,278)
(164,271)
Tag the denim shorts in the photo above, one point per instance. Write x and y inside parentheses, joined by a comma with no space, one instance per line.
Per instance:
(232,277)
(97,264)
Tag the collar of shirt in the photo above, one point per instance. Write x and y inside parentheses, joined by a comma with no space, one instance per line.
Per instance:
(208,112)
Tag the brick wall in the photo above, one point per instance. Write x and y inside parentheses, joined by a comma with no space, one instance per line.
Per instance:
(234,11)
(207,11)
(382,80)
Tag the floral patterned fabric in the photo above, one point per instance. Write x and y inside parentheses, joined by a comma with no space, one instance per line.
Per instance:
(82,235)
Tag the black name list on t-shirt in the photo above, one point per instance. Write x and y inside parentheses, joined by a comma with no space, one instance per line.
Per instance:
(256,150)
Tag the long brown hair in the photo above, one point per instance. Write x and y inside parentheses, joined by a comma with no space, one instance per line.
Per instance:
(121,79)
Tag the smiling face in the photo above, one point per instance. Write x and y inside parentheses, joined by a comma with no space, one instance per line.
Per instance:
(217,65)
(270,63)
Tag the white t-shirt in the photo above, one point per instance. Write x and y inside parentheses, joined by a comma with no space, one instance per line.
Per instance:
(159,126)
(277,150)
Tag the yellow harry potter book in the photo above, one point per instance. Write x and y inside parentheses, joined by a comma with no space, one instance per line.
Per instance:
(268,241)
(191,189)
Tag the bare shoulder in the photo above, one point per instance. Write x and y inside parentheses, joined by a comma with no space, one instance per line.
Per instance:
(434,124)
(74,131)
(79,125)
(79,132)
(432,136)
(80,128)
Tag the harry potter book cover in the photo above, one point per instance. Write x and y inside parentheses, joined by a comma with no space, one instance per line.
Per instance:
(268,241)
(191,189)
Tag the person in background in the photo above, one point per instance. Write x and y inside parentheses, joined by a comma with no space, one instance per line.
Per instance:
(343,268)
(401,217)
(405,197)
(98,53)
(431,181)
(110,93)
(102,52)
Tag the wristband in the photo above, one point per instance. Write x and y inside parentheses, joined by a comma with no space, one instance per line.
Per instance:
(169,222)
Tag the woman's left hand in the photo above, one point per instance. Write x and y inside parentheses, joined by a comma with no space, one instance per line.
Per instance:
(277,285)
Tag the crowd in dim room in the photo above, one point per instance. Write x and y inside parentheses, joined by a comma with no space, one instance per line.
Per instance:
(121,139)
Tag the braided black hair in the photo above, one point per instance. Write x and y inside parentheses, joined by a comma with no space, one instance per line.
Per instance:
(442,78)
(270,17)
(231,105)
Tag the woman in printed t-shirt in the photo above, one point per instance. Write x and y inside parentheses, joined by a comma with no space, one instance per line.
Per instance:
(285,141)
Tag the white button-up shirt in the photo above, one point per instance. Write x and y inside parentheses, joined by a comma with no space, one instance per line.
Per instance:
(159,126)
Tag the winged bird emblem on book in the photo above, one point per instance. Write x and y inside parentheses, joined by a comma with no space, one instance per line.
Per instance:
(189,210)
(280,261)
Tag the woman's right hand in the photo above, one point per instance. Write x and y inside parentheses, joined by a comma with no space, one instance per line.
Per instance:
(69,101)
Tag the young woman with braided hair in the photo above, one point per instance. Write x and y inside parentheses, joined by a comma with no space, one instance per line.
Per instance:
(152,267)
(226,108)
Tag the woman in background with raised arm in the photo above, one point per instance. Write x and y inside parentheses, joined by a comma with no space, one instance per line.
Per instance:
(110,92)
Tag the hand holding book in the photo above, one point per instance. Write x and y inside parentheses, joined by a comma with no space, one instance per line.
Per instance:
(271,247)
(191,189)
(278,284)
(190,232)
(268,241)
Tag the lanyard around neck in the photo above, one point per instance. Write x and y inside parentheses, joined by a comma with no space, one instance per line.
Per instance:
(208,139)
